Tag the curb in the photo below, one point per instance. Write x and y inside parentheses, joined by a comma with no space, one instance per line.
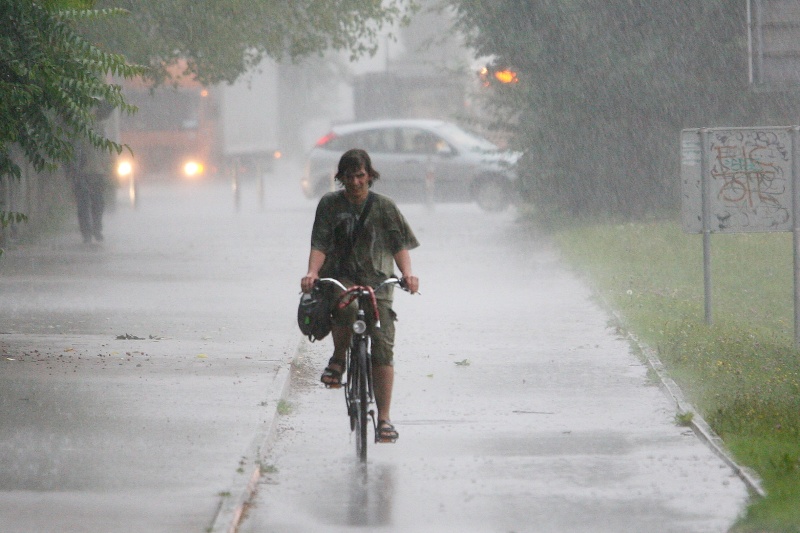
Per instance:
(234,502)
(697,423)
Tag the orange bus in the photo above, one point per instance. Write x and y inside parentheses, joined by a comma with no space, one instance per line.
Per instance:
(175,132)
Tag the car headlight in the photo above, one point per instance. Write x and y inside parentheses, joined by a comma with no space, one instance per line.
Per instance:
(124,169)
(193,169)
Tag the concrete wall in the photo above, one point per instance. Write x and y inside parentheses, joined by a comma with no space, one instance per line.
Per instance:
(46,198)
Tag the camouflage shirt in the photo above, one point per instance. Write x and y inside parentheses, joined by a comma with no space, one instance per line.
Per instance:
(385,232)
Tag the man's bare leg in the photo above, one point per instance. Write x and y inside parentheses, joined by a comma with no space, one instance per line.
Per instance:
(384,383)
(341,340)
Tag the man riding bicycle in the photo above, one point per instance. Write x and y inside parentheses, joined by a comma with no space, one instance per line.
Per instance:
(358,236)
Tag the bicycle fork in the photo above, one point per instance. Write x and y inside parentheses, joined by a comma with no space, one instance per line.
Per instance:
(370,385)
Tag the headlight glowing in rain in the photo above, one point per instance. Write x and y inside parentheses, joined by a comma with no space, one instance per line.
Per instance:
(124,169)
(193,169)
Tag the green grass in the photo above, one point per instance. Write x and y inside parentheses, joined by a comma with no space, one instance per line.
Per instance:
(284,407)
(742,373)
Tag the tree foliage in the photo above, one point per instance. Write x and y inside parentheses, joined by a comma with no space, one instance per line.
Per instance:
(50,80)
(55,64)
(605,89)
(54,58)
(221,40)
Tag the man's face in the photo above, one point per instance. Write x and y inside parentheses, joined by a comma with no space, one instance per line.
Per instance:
(356,182)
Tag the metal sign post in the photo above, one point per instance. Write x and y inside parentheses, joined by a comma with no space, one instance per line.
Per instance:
(796,235)
(705,214)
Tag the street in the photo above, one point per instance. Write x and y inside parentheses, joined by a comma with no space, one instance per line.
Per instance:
(144,433)
(519,410)
(138,376)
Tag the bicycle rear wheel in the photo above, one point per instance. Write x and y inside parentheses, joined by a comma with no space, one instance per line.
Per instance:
(361,393)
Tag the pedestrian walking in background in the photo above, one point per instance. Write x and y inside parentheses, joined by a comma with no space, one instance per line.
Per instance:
(89,172)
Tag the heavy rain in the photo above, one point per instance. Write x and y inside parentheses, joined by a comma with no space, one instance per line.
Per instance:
(581,356)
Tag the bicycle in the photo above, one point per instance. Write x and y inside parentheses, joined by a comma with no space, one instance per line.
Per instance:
(358,388)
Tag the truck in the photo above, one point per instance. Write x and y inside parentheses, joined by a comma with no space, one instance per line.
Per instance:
(191,131)
(249,119)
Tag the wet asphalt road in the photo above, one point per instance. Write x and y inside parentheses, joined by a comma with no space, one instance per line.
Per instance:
(518,408)
(99,434)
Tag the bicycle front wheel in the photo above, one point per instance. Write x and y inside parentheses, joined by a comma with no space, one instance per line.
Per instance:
(362,399)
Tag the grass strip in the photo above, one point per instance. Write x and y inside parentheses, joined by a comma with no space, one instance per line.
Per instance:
(742,372)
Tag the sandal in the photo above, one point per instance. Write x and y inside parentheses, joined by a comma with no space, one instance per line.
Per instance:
(386,432)
(332,378)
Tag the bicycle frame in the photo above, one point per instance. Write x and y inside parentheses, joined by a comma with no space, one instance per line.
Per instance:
(358,389)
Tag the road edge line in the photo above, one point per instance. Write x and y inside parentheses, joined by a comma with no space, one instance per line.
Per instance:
(232,504)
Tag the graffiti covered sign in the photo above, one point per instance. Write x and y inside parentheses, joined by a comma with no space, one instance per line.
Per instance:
(748,173)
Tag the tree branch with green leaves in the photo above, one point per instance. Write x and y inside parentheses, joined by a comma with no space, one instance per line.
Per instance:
(219,41)
(51,78)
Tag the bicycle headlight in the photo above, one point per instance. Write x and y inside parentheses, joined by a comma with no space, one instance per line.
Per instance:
(359,326)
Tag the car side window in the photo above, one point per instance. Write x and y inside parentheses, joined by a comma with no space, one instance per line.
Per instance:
(419,141)
(378,141)
(443,147)
(373,141)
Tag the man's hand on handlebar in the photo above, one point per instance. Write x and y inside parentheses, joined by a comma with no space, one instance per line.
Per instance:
(410,283)
(308,282)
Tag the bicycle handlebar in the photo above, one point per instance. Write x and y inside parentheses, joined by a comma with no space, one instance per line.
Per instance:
(334,281)
(388,281)
(351,293)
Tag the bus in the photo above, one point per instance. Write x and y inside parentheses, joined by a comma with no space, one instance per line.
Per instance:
(174,134)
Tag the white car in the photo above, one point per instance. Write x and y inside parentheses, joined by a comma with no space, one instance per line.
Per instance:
(419,160)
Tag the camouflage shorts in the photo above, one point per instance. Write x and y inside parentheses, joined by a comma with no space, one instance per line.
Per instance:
(382,339)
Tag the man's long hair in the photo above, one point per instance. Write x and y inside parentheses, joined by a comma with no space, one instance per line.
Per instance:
(354,159)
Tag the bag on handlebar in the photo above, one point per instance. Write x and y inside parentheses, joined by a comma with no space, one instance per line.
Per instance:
(314,313)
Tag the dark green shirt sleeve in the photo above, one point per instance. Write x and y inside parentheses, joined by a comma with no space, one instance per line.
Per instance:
(322,231)
(399,235)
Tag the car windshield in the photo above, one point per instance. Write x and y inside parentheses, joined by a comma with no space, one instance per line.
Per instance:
(466,139)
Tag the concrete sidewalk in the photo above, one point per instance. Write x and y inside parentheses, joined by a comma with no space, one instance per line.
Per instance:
(142,436)
(107,434)
(519,406)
